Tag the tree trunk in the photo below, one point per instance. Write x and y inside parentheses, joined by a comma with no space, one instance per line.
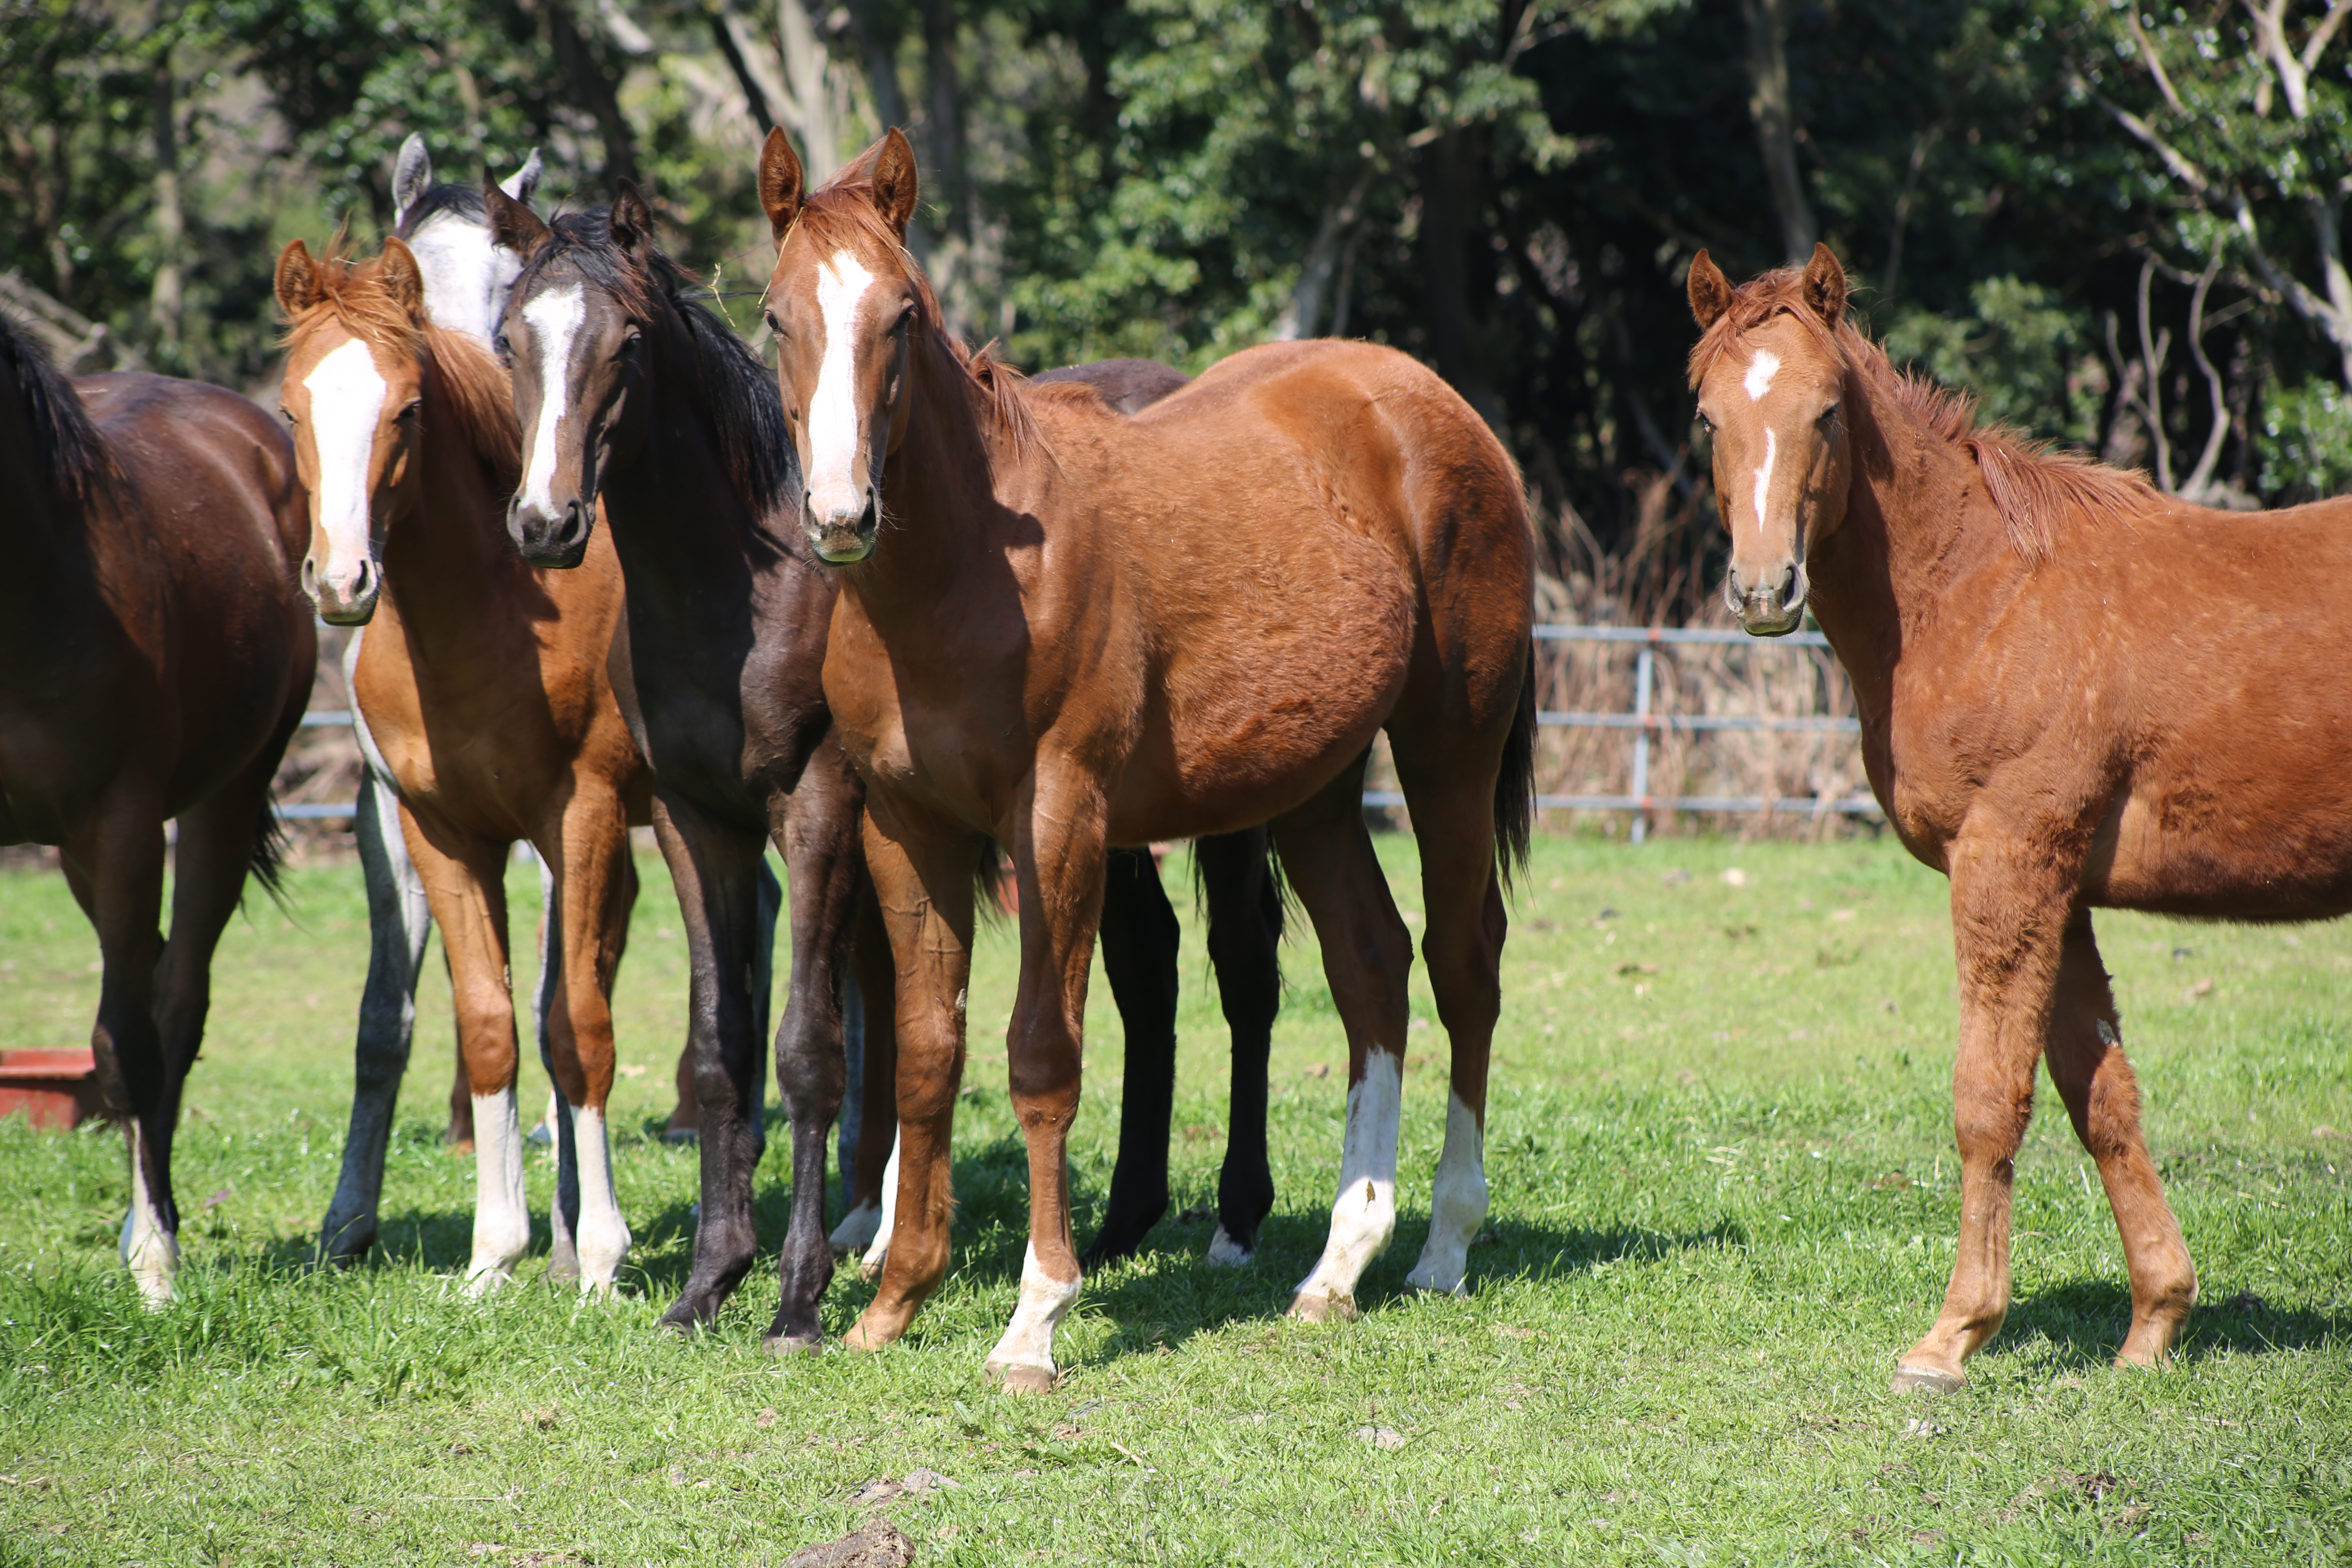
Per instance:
(947,114)
(171,229)
(1776,123)
(596,90)
(804,73)
(1449,176)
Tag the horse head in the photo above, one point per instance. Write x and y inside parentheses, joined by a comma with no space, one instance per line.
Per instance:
(842,301)
(467,274)
(1770,378)
(353,391)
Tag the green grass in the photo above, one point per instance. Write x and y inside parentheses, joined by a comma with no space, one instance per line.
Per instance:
(1723,1202)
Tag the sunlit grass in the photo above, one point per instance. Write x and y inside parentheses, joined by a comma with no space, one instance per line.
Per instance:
(1720,1153)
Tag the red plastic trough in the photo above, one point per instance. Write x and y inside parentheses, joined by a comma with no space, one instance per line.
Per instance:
(55,1088)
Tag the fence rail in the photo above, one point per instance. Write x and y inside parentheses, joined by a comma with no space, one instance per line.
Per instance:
(1642,722)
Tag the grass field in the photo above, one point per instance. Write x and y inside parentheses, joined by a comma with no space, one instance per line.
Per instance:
(1720,1150)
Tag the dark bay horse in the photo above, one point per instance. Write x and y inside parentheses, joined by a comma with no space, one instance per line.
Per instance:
(2075,693)
(483,692)
(654,409)
(1062,629)
(155,654)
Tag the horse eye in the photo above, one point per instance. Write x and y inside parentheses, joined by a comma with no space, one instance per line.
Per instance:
(505,349)
(1828,414)
(1705,422)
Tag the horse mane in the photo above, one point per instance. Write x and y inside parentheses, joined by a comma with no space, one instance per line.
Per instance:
(458,201)
(352,294)
(738,391)
(66,442)
(2032,482)
(844,211)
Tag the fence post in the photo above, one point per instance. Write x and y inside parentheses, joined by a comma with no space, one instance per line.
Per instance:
(1642,744)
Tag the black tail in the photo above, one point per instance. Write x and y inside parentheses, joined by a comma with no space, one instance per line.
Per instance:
(1514,786)
(270,846)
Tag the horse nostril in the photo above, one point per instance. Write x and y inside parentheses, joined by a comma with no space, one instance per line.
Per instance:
(363,582)
(310,576)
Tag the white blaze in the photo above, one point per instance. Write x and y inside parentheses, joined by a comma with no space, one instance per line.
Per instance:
(1364,1215)
(553,320)
(1760,372)
(347,397)
(1764,476)
(836,488)
(1457,1202)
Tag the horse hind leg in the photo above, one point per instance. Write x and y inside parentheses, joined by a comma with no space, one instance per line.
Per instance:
(118,878)
(1140,939)
(1244,942)
(594,887)
(870,1126)
(1367,956)
(399,921)
(2086,1061)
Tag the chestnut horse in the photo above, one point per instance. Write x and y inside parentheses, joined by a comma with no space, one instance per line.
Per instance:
(2033,730)
(154,658)
(1081,629)
(728,620)
(482,689)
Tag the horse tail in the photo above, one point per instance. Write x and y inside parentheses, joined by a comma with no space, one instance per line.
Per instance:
(270,846)
(1515,785)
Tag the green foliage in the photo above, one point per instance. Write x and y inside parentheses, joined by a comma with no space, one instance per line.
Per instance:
(2306,441)
(2020,350)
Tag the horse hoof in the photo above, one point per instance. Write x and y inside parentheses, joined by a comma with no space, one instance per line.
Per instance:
(785,1345)
(1227,1253)
(486,1281)
(862,1338)
(1926,1380)
(1322,1306)
(682,1135)
(1021,1379)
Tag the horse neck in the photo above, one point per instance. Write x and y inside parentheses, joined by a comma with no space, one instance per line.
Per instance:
(939,498)
(447,558)
(677,510)
(1917,520)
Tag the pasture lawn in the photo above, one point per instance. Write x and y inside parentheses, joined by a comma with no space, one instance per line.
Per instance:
(1721,1157)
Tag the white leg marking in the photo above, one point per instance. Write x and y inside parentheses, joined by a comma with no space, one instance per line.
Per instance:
(1760,372)
(604,1238)
(1764,476)
(1029,1338)
(857,1228)
(878,1253)
(555,319)
(501,1225)
(1226,1252)
(836,488)
(149,1251)
(1457,1202)
(347,395)
(1364,1215)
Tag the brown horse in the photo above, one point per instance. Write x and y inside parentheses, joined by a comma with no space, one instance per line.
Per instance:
(154,656)
(1081,629)
(482,687)
(2076,693)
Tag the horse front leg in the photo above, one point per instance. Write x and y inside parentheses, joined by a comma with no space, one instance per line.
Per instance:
(716,871)
(2010,909)
(399,921)
(819,834)
(595,887)
(1058,853)
(1139,943)
(2085,1056)
(923,869)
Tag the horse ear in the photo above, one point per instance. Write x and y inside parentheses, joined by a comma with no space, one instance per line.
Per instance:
(523,184)
(895,185)
(632,221)
(1825,285)
(412,175)
(298,279)
(1710,291)
(402,278)
(781,183)
(512,224)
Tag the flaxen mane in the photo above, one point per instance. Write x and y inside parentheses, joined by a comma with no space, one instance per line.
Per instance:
(843,212)
(738,391)
(352,294)
(2032,482)
(66,443)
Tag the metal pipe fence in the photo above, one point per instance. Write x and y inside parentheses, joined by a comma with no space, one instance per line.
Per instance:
(1642,722)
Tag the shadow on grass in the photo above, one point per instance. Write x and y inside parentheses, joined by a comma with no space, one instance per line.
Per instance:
(2085,1321)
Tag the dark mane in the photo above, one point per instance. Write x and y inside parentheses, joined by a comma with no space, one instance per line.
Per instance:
(843,212)
(2032,482)
(67,444)
(736,391)
(460,201)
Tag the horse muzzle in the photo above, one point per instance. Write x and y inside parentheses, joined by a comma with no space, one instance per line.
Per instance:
(844,539)
(1772,608)
(557,537)
(350,602)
